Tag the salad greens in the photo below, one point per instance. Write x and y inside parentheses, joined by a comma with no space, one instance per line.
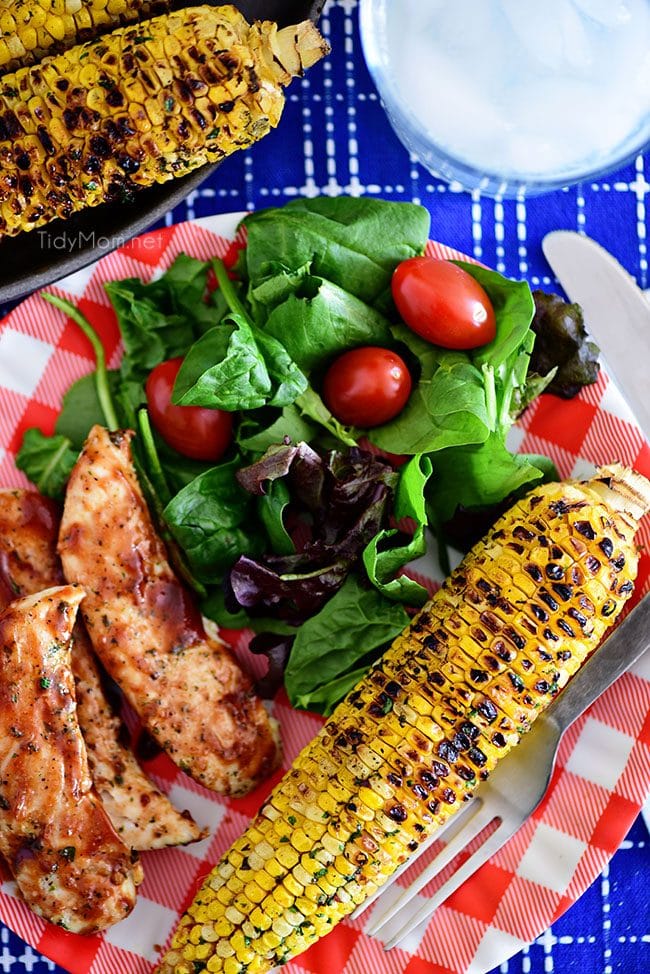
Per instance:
(235,365)
(47,461)
(209,517)
(339,503)
(297,531)
(353,243)
(562,343)
(363,622)
(463,405)
(386,555)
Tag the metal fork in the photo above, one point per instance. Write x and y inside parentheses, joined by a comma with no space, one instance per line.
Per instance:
(516,786)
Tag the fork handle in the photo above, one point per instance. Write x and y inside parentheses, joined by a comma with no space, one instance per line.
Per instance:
(618,653)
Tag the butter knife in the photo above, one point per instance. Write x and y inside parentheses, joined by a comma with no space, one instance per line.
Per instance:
(616,312)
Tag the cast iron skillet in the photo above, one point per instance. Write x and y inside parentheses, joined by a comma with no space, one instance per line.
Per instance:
(37,258)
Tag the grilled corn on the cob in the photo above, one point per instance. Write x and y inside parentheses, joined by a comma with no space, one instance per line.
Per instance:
(140,106)
(411,742)
(32,29)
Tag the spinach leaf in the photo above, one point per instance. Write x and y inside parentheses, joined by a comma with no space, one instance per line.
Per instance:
(81,409)
(312,406)
(161,319)
(287,379)
(353,242)
(272,291)
(353,623)
(179,470)
(210,519)
(255,436)
(149,331)
(183,286)
(383,557)
(447,407)
(235,365)
(324,699)
(271,508)
(479,475)
(513,308)
(321,320)
(224,369)
(47,461)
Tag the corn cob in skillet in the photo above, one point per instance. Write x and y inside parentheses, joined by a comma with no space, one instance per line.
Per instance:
(32,29)
(450,698)
(140,106)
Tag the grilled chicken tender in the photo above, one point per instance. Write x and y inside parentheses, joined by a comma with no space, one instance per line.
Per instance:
(187,689)
(69,863)
(141,815)
(32,29)
(140,106)
(448,700)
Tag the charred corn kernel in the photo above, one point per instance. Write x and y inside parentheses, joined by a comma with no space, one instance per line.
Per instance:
(123,114)
(446,702)
(38,28)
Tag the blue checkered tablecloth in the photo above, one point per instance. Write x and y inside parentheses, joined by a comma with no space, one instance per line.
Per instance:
(335,139)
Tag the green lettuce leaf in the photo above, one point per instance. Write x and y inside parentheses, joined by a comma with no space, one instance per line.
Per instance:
(321,321)
(47,461)
(355,623)
(211,520)
(354,243)
(482,475)
(384,556)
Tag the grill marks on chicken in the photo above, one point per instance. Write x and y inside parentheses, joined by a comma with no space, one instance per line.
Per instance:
(140,813)
(187,689)
(68,862)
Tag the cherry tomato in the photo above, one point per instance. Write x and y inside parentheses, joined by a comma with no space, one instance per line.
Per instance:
(367,387)
(443,303)
(202,434)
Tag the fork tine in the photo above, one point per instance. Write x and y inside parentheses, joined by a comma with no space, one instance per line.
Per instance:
(468,831)
(452,825)
(482,854)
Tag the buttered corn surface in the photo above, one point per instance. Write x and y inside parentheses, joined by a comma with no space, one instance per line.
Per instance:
(32,29)
(139,106)
(405,748)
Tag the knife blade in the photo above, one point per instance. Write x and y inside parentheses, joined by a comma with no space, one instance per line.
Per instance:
(616,312)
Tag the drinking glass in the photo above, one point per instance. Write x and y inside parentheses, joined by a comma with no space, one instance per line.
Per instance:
(513,97)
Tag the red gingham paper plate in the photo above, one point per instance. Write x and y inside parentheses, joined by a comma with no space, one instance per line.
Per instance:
(603,772)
